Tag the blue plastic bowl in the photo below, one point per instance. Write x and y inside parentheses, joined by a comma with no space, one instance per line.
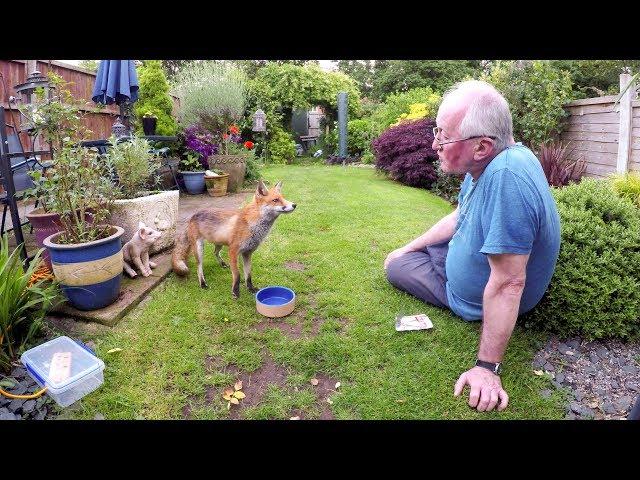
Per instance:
(275,301)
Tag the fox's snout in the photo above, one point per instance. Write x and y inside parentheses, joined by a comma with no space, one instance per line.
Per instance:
(289,208)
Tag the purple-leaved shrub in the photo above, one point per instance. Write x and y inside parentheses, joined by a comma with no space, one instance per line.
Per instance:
(404,152)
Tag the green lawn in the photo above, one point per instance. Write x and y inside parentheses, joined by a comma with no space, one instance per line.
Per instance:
(183,346)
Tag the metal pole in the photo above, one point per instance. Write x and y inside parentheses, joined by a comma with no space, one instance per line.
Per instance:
(342,125)
(7,176)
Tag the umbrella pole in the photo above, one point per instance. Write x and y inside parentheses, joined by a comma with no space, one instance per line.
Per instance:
(123,118)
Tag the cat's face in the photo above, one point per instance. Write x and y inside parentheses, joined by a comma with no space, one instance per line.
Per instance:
(148,234)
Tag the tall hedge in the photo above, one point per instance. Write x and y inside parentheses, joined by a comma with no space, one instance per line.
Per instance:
(154,97)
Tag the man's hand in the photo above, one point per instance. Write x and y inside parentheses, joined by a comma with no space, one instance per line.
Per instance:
(398,252)
(486,389)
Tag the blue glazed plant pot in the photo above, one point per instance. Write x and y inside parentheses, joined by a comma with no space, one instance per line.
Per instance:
(194,182)
(89,273)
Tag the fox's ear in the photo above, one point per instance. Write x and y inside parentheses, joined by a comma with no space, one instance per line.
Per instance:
(261,190)
(143,232)
(278,186)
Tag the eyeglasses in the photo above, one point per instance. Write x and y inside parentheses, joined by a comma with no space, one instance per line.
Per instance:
(438,130)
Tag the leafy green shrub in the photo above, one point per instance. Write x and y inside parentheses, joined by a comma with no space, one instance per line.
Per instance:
(595,289)
(627,186)
(212,95)
(360,133)
(154,98)
(399,104)
(330,140)
(22,306)
(446,185)
(536,92)
(252,173)
(281,147)
(134,165)
(368,157)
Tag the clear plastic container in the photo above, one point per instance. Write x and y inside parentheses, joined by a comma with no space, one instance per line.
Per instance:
(69,369)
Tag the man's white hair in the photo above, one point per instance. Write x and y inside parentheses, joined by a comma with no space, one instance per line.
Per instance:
(487,114)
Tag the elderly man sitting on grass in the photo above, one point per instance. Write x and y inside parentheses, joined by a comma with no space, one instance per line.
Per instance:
(491,259)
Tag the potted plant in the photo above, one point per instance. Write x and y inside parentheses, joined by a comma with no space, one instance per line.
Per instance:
(149,123)
(86,256)
(216,181)
(192,173)
(56,118)
(137,198)
(232,158)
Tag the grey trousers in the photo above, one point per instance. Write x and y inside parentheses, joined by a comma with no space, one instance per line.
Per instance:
(422,274)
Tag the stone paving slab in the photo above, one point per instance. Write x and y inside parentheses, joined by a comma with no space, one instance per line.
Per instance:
(132,291)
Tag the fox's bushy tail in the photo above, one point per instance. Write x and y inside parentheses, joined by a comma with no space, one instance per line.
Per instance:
(181,253)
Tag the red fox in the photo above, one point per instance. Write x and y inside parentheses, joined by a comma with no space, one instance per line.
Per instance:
(242,230)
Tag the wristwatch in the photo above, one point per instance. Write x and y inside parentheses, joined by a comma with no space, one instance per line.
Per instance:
(495,368)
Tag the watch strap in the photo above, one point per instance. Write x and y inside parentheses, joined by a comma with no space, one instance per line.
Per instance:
(494,367)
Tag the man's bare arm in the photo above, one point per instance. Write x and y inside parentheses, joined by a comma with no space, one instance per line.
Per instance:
(501,301)
(439,233)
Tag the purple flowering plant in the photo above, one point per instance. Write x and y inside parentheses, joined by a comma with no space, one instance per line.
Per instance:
(200,142)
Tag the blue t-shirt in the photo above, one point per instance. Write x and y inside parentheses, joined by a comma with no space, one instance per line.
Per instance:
(509,209)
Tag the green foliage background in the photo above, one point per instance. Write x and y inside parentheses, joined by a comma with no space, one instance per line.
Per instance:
(154,97)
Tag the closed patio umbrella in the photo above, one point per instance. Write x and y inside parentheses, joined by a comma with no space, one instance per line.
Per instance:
(116,82)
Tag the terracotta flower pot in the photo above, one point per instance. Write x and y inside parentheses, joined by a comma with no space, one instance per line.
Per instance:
(45,224)
(234,165)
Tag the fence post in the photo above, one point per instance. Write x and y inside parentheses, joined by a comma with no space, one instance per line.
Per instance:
(624,135)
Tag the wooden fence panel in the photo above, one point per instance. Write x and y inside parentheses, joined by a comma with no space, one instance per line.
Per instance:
(594,130)
(98,120)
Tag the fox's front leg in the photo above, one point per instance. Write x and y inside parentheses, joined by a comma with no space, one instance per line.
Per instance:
(246,266)
(233,260)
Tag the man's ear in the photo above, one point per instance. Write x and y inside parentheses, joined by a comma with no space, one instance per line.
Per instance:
(261,190)
(278,186)
(483,149)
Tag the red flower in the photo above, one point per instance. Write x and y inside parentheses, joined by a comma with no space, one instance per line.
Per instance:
(225,136)
(248,145)
(234,129)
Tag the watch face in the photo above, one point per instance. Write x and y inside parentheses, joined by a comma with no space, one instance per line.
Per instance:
(498,369)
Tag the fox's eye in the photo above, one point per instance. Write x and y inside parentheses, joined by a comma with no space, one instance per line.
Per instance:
(275,200)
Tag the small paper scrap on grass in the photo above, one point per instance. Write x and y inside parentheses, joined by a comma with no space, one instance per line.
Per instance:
(413,322)
(114,350)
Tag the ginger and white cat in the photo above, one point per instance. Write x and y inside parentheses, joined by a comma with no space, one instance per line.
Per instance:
(136,251)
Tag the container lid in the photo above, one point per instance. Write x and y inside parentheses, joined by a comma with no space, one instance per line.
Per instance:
(61,362)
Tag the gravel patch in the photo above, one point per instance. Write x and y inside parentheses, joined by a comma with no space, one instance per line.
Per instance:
(602,377)
(41,408)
